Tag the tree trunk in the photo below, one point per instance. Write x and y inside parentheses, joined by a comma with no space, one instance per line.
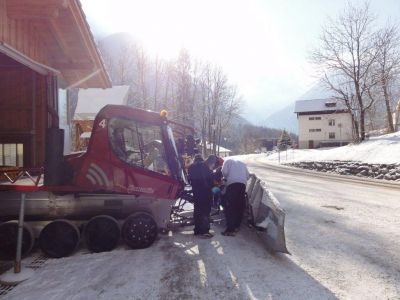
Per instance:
(388,109)
(203,140)
(214,149)
(219,137)
(362,112)
(155,108)
(362,124)
(356,135)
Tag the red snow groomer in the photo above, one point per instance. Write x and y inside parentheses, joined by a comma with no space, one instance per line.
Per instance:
(124,185)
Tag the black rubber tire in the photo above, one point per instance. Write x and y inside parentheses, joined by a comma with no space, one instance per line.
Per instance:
(139,230)
(59,238)
(8,240)
(102,233)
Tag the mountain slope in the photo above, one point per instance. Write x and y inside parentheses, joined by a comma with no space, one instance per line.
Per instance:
(286,118)
(283,119)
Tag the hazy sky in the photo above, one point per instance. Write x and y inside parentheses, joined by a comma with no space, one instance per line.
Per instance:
(261,44)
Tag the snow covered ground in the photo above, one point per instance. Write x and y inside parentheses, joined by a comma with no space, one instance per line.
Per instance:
(383,149)
(343,236)
(176,267)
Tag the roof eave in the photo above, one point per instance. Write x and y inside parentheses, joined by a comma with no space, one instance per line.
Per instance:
(80,18)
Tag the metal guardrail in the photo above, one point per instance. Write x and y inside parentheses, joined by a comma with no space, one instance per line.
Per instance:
(266,214)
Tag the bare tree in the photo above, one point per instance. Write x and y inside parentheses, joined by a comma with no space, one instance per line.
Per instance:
(141,77)
(183,82)
(216,103)
(347,56)
(158,69)
(388,65)
(165,86)
(124,66)
(108,60)
(119,64)
(195,93)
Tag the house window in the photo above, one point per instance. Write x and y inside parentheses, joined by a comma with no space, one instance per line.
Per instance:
(314,118)
(317,118)
(311,118)
(12,155)
(315,130)
(332,122)
(331,135)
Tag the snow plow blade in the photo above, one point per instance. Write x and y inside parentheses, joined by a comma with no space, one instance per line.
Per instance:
(266,215)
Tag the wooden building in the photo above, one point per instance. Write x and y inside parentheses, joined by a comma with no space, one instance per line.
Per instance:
(45,46)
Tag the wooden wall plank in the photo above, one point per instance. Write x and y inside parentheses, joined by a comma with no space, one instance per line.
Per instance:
(2,18)
(20,88)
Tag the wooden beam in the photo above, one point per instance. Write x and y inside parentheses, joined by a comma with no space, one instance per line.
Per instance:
(66,60)
(58,36)
(25,60)
(90,45)
(32,13)
(35,9)
(59,3)
(73,65)
(3,20)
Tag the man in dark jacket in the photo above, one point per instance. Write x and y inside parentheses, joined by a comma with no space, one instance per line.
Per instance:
(201,178)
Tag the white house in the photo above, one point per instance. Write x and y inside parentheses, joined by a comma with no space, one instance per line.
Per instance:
(323,123)
(90,101)
(221,151)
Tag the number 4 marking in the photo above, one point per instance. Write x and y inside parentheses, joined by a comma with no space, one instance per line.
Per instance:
(103,123)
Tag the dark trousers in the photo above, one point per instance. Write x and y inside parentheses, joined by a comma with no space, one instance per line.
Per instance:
(201,213)
(234,205)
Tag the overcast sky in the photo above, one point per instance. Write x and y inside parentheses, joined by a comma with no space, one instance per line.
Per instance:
(261,44)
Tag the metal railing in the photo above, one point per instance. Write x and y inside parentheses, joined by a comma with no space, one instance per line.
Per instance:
(266,214)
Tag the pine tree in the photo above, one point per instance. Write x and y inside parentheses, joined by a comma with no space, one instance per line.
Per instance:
(284,141)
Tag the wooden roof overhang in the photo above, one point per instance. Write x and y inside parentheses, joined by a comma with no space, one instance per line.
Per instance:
(52,36)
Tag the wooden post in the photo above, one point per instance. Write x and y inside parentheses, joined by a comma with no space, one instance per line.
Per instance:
(17,263)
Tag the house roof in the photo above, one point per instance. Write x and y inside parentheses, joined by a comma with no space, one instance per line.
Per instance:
(90,101)
(322,105)
(209,146)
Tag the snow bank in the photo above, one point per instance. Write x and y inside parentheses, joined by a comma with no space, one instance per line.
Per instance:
(384,149)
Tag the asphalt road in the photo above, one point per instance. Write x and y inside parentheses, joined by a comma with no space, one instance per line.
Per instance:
(345,234)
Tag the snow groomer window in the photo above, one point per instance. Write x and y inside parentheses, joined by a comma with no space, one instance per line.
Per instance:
(138,144)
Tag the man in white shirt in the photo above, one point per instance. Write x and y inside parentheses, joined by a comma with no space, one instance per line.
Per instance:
(236,175)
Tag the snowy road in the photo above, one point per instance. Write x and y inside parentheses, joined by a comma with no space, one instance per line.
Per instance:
(344,239)
(346,235)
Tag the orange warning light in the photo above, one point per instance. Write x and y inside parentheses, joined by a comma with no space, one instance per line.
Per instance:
(163,113)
